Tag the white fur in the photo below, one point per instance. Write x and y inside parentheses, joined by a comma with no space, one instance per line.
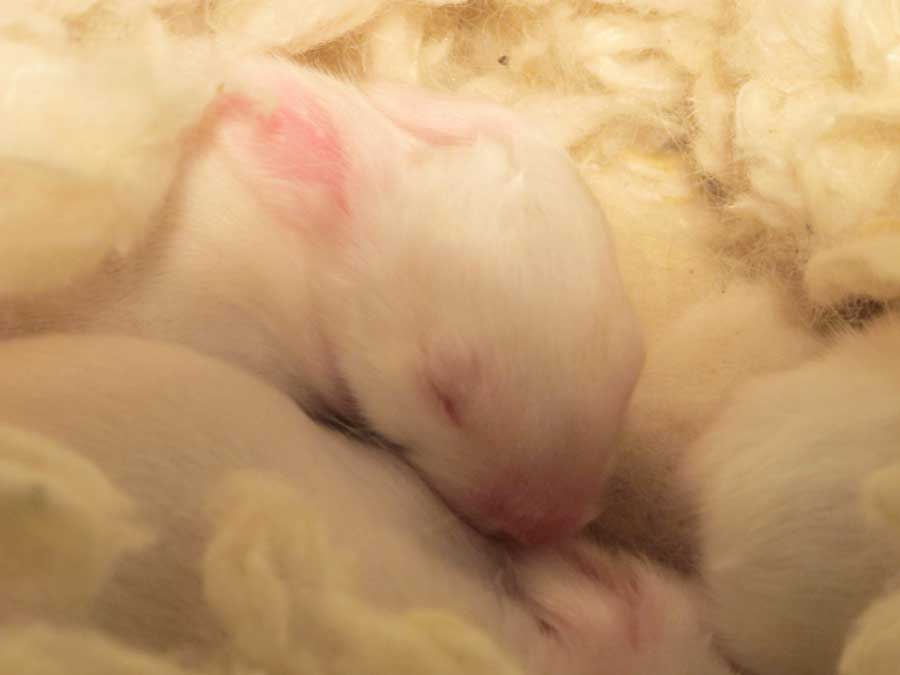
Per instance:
(171,427)
(476,269)
(786,554)
(691,372)
(874,647)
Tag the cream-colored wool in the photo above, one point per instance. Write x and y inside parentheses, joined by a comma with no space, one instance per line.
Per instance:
(63,526)
(727,140)
(286,599)
(91,129)
(283,594)
(50,650)
(273,24)
(815,129)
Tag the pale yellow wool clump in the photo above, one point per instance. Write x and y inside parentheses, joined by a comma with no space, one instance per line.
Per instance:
(91,132)
(63,526)
(47,650)
(272,24)
(283,594)
(815,126)
(286,598)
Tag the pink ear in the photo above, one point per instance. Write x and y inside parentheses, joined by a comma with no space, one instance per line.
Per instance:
(452,375)
(441,119)
(291,156)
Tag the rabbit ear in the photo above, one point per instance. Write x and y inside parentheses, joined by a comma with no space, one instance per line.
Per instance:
(292,157)
(441,119)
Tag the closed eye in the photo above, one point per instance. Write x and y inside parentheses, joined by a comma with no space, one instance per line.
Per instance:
(448,404)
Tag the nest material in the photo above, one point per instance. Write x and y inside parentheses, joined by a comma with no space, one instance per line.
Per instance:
(745,151)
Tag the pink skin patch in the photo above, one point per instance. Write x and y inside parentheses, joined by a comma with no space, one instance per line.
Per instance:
(298,146)
(610,612)
(532,520)
(624,583)
(602,612)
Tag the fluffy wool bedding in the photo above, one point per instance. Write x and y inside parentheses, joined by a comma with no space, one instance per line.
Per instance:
(745,151)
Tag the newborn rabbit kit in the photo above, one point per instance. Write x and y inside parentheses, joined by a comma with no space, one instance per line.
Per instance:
(444,280)
(448,337)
